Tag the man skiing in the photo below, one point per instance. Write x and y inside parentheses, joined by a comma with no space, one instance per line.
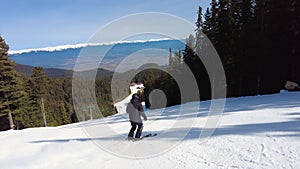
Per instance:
(135,111)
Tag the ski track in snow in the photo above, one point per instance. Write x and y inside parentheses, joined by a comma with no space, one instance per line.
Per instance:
(255,132)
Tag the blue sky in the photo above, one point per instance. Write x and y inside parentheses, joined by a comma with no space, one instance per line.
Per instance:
(41,23)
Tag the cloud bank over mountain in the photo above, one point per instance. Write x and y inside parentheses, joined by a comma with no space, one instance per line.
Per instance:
(81,45)
(106,55)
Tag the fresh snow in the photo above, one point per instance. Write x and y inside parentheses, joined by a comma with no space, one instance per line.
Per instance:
(254,132)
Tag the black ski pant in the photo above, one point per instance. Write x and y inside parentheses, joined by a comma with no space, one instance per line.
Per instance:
(133,128)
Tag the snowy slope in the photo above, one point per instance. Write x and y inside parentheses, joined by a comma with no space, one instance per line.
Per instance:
(255,132)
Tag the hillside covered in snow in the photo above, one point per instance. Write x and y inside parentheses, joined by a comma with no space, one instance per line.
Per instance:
(254,132)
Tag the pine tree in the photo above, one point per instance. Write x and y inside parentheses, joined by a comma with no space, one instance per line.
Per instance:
(199,33)
(11,87)
(207,24)
(211,25)
(171,61)
(247,14)
(189,51)
(40,81)
(65,118)
(294,39)
(177,60)
(248,57)
(224,40)
(36,87)
(271,25)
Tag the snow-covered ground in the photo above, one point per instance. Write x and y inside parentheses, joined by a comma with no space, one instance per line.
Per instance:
(255,132)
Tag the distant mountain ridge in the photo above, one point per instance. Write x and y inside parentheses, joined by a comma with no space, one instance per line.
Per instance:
(26,70)
(65,57)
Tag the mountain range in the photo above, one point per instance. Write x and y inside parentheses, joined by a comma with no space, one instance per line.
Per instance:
(26,70)
(64,57)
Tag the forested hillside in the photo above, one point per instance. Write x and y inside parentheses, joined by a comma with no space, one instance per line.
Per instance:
(24,99)
(257,41)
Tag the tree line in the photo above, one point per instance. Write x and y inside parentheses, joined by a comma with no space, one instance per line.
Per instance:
(257,41)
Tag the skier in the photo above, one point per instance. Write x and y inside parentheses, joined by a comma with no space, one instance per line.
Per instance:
(135,111)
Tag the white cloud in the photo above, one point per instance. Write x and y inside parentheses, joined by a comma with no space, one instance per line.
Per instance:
(81,45)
